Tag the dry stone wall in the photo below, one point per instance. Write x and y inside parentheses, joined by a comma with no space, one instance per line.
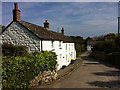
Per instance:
(43,78)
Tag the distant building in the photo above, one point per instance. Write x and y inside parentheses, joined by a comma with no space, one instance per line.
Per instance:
(38,38)
(90,45)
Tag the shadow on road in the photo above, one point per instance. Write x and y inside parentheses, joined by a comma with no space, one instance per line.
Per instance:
(91,60)
(108,73)
(109,84)
(87,58)
(95,61)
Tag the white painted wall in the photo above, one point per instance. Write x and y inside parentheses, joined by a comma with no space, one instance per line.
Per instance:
(46,45)
(65,51)
(89,47)
(18,35)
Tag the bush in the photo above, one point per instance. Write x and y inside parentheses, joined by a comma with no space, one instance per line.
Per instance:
(99,55)
(107,46)
(113,58)
(79,49)
(110,58)
(108,51)
(14,50)
(18,71)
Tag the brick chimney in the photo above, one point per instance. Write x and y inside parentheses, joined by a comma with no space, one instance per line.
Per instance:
(62,31)
(16,12)
(47,25)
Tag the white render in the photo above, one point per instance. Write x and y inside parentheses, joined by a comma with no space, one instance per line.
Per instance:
(18,35)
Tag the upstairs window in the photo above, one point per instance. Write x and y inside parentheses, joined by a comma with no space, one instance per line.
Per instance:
(69,47)
(52,44)
(59,43)
(66,46)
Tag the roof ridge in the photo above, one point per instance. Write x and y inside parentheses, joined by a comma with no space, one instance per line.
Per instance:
(43,33)
(41,27)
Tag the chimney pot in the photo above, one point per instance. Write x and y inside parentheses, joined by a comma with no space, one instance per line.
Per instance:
(16,6)
(46,20)
(46,25)
(62,31)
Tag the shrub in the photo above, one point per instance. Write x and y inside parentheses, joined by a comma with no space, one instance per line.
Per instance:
(18,71)
(106,46)
(113,58)
(110,58)
(99,55)
(108,51)
(14,50)
(46,60)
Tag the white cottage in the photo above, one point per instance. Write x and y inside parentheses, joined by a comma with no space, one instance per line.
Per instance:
(38,38)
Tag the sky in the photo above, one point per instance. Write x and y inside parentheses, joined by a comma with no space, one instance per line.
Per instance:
(0,12)
(59,0)
(86,19)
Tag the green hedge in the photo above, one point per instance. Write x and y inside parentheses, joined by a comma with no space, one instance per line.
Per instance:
(18,71)
(108,51)
(99,55)
(110,58)
(114,59)
(108,46)
(14,50)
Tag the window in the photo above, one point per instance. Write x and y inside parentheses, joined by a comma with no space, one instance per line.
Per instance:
(69,47)
(72,46)
(66,46)
(66,56)
(60,56)
(59,43)
(52,44)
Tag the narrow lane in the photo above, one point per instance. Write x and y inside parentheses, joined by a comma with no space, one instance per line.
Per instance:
(91,74)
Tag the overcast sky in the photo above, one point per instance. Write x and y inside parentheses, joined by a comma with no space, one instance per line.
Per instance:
(86,19)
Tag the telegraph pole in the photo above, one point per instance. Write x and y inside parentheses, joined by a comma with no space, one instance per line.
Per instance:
(118,26)
(118,18)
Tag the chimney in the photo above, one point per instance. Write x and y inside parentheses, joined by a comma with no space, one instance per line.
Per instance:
(62,31)
(16,12)
(46,25)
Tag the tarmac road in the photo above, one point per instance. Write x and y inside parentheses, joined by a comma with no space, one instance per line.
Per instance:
(91,74)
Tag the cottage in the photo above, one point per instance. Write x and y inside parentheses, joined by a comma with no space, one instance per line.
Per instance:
(38,38)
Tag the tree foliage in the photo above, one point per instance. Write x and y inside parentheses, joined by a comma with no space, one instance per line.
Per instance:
(18,71)
(79,44)
(109,48)
(14,50)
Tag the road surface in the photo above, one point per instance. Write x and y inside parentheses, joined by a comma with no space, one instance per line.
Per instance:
(91,74)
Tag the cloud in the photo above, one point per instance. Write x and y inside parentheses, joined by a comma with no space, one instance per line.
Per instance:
(83,18)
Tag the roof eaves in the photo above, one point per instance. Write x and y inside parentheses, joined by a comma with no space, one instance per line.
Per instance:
(7,27)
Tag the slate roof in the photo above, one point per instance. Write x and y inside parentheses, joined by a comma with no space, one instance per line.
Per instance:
(43,33)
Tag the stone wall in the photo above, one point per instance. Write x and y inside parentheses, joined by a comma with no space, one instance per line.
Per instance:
(43,78)
(18,35)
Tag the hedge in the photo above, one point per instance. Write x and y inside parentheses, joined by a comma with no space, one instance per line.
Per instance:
(18,71)
(108,51)
(114,59)
(111,58)
(14,50)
